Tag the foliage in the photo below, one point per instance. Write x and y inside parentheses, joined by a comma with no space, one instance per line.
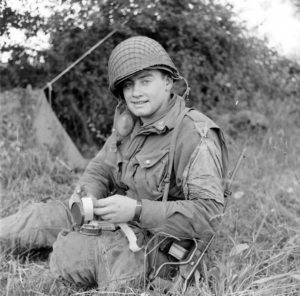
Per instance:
(296,3)
(23,67)
(13,19)
(226,68)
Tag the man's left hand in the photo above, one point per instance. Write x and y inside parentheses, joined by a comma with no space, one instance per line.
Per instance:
(116,208)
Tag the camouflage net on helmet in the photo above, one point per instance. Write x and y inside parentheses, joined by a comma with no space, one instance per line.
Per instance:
(136,54)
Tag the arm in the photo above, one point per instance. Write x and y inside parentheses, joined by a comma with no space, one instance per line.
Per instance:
(97,178)
(202,186)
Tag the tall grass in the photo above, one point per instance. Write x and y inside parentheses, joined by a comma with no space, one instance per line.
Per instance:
(257,249)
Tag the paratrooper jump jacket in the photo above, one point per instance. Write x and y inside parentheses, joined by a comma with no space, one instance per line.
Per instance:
(137,165)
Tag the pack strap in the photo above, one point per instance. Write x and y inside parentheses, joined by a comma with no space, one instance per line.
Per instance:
(172,153)
(155,240)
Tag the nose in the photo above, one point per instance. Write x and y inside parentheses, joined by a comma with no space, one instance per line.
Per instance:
(136,91)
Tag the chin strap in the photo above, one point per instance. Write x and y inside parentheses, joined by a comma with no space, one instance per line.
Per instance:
(187,90)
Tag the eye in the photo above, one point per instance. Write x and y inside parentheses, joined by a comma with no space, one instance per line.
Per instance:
(127,85)
(145,81)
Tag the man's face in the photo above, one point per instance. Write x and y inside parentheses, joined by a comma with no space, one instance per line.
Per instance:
(147,94)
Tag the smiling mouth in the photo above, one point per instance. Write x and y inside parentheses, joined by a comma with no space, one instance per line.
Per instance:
(139,102)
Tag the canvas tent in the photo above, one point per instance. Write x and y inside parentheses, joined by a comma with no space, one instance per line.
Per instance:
(50,132)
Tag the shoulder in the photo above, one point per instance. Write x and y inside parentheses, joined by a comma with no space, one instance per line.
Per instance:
(190,132)
(197,123)
(201,119)
(196,126)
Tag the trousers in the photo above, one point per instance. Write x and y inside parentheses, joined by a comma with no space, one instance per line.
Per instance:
(103,260)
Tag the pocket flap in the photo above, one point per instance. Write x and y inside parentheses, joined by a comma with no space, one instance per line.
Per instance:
(150,159)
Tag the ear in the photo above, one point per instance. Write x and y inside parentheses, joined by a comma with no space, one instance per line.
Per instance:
(169,83)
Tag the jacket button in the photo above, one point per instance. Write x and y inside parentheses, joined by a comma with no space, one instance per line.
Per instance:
(147,161)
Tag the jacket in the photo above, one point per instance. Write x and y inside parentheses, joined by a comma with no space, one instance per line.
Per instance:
(136,165)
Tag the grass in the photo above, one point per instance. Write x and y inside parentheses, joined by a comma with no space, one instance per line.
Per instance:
(257,249)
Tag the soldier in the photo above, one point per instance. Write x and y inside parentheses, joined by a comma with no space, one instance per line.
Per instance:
(142,176)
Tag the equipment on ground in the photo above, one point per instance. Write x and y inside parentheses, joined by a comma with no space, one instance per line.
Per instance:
(89,224)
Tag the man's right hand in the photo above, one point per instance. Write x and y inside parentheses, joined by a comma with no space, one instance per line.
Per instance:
(115,208)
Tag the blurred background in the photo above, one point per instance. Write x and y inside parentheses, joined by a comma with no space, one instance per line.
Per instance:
(234,54)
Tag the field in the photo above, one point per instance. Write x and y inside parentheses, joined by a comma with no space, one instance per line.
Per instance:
(257,249)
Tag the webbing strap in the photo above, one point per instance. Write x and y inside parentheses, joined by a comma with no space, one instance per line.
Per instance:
(172,153)
(155,240)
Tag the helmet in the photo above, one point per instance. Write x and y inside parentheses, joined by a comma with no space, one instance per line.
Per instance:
(135,54)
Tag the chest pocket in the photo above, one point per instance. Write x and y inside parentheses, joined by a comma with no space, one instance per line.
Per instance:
(150,174)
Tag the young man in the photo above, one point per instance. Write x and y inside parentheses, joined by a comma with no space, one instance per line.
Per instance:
(142,176)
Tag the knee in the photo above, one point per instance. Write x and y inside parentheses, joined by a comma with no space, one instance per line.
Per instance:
(73,258)
(51,214)
(39,224)
(34,226)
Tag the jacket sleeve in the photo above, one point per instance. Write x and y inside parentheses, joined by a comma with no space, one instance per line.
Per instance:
(202,184)
(97,178)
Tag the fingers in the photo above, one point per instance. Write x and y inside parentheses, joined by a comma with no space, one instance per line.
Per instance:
(105,208)
(108,218)
(102,211)
(104,202)
(105,214)
(115,208)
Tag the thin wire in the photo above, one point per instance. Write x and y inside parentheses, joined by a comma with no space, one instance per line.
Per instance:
(187,90)
(82,57)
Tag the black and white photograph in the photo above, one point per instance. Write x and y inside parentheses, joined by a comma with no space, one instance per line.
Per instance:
(150,147)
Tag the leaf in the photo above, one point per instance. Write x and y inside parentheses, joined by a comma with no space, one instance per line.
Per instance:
(238,249)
